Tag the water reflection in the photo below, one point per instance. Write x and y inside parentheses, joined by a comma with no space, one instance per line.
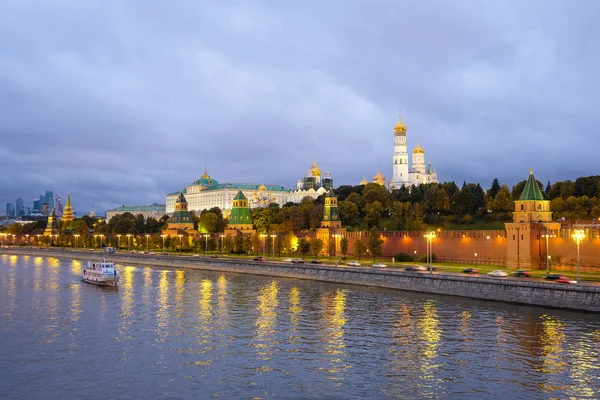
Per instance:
(265,324)
(295,309)
(333,322)
(162,313)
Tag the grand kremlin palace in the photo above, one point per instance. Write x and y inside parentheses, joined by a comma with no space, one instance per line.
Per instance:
(206,193)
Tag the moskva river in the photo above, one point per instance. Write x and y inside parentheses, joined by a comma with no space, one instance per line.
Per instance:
(183,334)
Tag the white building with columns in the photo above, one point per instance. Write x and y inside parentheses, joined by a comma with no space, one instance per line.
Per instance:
(404,174)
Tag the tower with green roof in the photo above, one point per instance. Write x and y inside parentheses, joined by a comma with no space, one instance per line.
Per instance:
(331,215)
(181,218)
(239,218)
(532,220)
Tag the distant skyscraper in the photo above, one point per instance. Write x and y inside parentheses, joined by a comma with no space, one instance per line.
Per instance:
(50,199)
(19,210)
(59,207)
(10,210)
(36,206)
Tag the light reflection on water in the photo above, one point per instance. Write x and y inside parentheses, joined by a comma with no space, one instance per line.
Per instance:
(184,333)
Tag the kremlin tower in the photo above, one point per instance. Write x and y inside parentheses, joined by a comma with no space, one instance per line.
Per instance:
(68,215)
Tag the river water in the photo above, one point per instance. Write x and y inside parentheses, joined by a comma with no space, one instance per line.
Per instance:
(186,334)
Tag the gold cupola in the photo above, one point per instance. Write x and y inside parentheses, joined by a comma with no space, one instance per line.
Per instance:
(315,171)
(400,127)
(205,175)
(418,150)
(262,188)
(364,181)
(379,178)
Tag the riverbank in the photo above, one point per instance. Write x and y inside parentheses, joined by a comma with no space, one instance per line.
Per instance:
(546,294)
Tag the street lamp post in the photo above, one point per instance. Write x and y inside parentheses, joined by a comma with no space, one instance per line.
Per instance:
(337,236)
(222,242)
(101,241)
(95,241)
(206,243)
(26,239)
(76,240)
(118,242)
(180,243)
(38,239)
(415,252)
(547,235)
(273,245)
(429,236)
(263,236)
(476,260)
(163,238)
(128,240)
(578,235)
(147,246)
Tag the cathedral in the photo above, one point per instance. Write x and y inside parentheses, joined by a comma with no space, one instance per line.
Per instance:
(402,174)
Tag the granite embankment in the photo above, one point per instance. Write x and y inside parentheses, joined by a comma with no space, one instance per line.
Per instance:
(547,294)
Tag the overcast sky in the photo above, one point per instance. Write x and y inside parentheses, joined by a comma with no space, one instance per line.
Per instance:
(122,101)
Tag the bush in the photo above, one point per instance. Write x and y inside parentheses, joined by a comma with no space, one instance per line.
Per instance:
(403,257)
(423,258)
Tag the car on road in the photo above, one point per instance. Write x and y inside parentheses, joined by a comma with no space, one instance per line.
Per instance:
(287,260)
(554,277)
(259,258)
(564,279)
(415,268)
(214,256)
(298,260)
(353,264)
(195,255)
(498,273)
(432,268)
(522,273)
(316,261)
(379,265)
(470,271)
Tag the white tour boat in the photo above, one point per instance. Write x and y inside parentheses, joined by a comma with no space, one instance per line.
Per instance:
(100,273)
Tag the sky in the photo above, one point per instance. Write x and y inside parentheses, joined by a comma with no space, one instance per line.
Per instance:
(121,102)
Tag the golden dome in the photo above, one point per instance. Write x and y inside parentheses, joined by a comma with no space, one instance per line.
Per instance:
(364,181)
(262,188)
(400,127)
(418,149)
(316,171)
(379,178)
(205,175)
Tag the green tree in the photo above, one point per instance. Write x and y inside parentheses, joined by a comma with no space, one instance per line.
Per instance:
(15,228)
(207,223)
(344,247)
(494,189)
(348,212)
(316,246)
(375,243)
(360,248)
(374,192)
(303,246)
(503,201)
(400,213)
(373,213)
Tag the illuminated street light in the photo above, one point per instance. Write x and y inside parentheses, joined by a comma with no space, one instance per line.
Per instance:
(118,241)
(475,260)
(263,236)
(206,244)
(337,236)
(222,241)
(273,245)
(163,238)
(101,240)
(147,247)
(578,235)
(128,240)
(27,239)
(76,240)
(180,245)
(429,236)
(95,241)
(38,239)
(547,235)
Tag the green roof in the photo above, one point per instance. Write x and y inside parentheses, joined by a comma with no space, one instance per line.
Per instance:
(181,198)
(532,190)
(240,196)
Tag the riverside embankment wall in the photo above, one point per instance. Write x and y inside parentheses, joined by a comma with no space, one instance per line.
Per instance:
(586,298)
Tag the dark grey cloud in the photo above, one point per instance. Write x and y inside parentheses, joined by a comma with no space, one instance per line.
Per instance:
(122,102)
